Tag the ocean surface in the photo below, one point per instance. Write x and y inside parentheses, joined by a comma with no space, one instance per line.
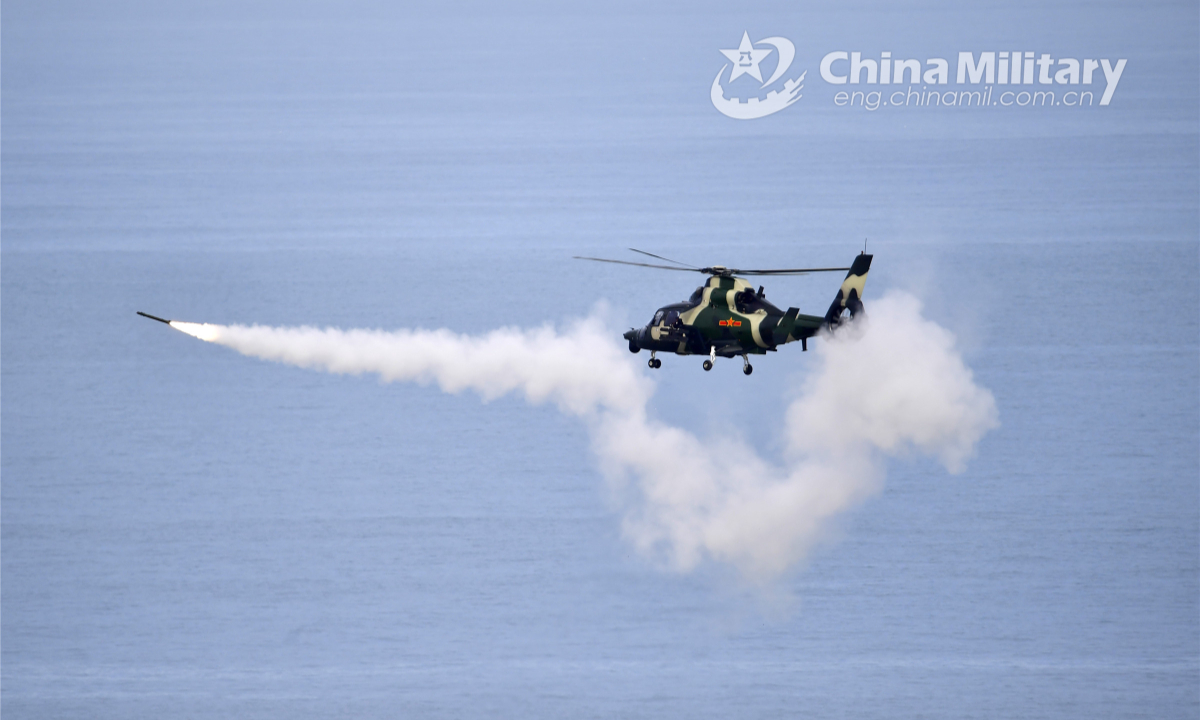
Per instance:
(186,532)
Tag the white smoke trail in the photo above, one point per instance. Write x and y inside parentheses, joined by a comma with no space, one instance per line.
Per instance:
(890,385)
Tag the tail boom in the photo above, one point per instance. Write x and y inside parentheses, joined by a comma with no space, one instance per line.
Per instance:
(796,326)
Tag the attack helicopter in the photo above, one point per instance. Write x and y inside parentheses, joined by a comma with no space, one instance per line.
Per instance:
(726,317)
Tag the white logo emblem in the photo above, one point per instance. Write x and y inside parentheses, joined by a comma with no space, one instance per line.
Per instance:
(745,60)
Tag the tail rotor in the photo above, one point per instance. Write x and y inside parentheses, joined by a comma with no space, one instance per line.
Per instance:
(849,295)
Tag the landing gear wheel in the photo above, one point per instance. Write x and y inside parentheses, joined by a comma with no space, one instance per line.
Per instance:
(707,365)
(655,363)
(748,369)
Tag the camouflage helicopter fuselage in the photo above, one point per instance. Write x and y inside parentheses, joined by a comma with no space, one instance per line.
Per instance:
(727,317)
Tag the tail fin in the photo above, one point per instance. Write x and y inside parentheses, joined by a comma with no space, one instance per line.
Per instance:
(849,296)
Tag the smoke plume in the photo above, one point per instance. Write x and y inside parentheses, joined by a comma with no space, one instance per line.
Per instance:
(891,384)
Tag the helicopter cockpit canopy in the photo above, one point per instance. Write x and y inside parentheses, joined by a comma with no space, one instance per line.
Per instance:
(667,317)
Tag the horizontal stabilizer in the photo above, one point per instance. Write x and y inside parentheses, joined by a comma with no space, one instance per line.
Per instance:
(783,331)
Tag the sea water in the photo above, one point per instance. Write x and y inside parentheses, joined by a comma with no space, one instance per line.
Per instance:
(191,533)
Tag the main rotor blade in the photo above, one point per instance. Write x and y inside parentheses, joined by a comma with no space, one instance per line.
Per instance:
(660,257)
(709,270)
(624,262)
(794,271)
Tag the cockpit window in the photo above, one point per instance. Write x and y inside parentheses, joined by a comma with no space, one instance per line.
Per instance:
(658,316)
(672,318)
(695,298)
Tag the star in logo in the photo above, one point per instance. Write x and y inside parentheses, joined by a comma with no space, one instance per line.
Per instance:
(746,59)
